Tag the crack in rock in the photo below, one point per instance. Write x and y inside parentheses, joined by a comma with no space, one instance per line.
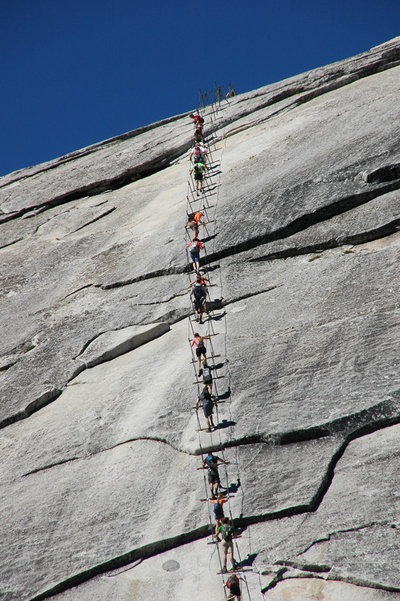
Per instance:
(384,174)
(303,222)
(41,401)
(105,450)
(343,531)
(92,221)
(296,226)
(354,240)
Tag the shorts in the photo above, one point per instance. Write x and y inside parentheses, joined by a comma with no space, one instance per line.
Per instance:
(195,256)
(194,226)
(226,546)
(201,350)
(213,477)
(198,176)
(235,590)
(199,305)
(208,409)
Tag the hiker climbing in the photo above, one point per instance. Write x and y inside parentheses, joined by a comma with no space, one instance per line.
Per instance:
(207,376)
(198,123)
(218,514)
(227,533)
(198,154)
(212,462)
(200,278)
(198,169)
(208,407)
(199,297)
(193,222)
(198,342)
(195,247)
(233,585)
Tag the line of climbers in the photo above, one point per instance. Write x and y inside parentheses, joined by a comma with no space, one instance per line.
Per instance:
(224,531)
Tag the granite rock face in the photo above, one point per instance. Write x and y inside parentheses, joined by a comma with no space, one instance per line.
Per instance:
(102,493)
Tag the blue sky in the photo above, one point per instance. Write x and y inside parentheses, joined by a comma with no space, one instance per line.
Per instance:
(75,72)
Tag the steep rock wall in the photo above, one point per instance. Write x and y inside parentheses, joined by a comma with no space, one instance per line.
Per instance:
(100,495)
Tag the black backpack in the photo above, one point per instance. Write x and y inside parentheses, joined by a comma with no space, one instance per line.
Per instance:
(207,378)
(198,292)
(201,120)
(218,511)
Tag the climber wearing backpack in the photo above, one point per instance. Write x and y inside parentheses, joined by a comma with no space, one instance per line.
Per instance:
(199,296)
(218,513)
(200,278)
(198,123)
(198,154)
(207,376)
(227,532)
(208,406)
(198,169)
(194,248)
(211,462)
(233,584)
(198,342)
(193,222)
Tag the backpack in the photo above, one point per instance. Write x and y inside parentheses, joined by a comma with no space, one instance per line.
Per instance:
(209,460)
(201,120)
(208,404)
(233,580)
(218,511)
(206,397)
(198,292)
(197,155)
(191,216)
(207,378)
(193,247)
(226,532)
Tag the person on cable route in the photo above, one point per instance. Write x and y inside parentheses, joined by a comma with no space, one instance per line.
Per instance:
(198,169)
(193,222)
(200,278)
(195,246)
(218,503)
(212,462)
(199,298)
(208,406)
(198,342)
(198,123)
(198,154)
(233,584)
(227,532)
(207,377)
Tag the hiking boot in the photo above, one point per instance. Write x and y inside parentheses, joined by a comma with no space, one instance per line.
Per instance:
(200,372)
(224,569)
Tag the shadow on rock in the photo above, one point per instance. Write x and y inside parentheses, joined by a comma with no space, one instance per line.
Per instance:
(224,395)
(224,424)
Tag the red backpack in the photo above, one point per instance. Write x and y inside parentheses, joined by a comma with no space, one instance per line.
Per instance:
(233,580)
